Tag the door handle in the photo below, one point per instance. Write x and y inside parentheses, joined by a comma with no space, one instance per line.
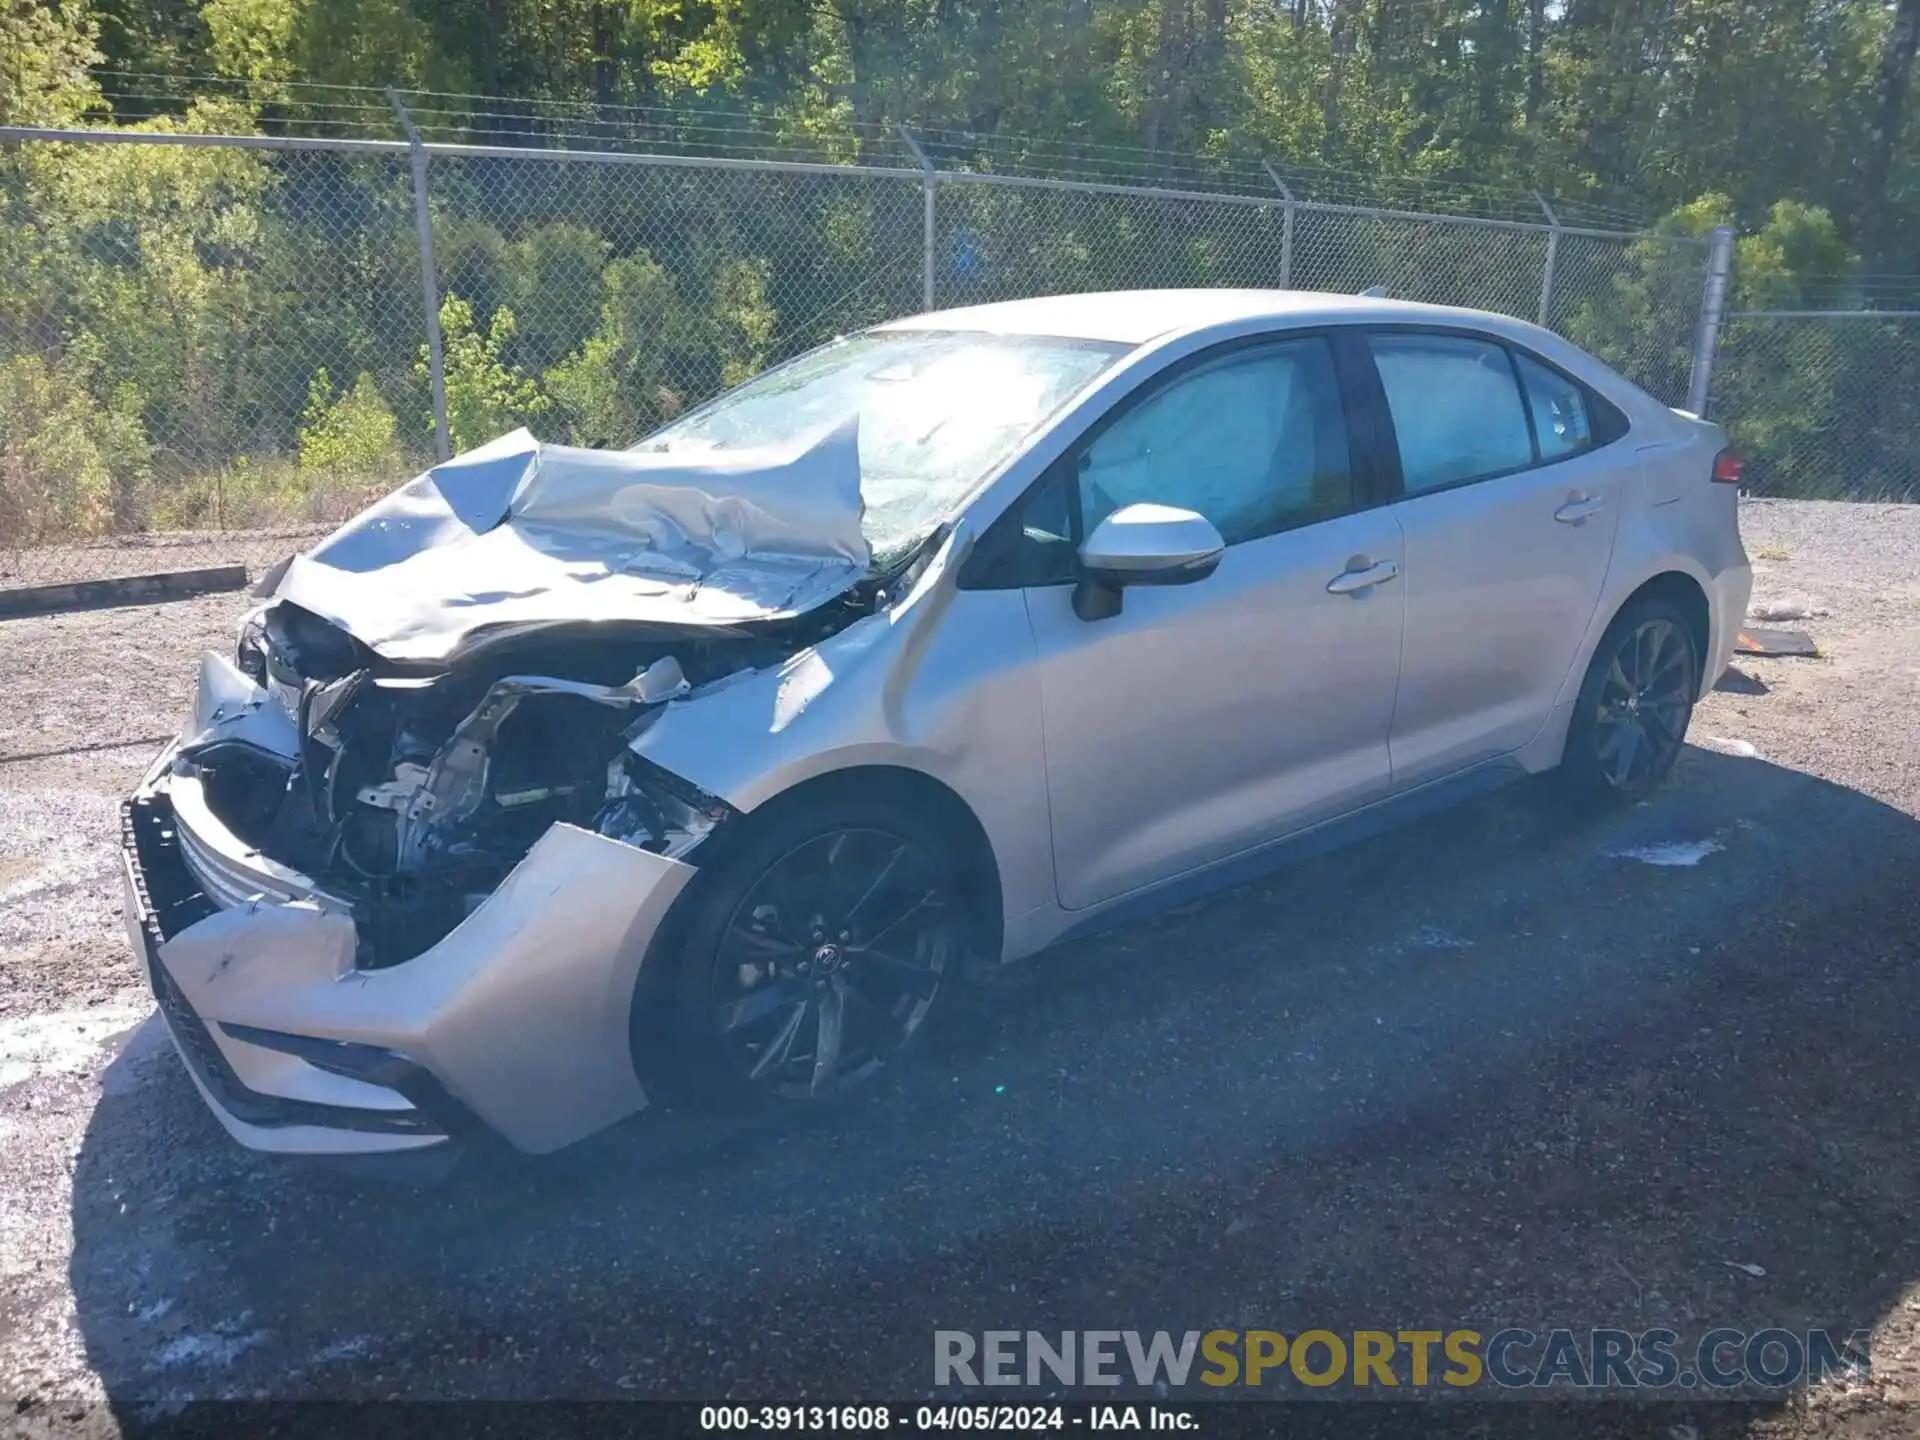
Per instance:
(1347,582)
(1578,509)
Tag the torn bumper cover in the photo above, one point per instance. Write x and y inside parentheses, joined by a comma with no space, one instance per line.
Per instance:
(516,1021)
(513,1022)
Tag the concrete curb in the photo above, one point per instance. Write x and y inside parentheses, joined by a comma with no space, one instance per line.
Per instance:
(127,590)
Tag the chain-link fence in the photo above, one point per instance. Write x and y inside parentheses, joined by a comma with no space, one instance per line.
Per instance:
(1823,404)
(210,345)
(178,325)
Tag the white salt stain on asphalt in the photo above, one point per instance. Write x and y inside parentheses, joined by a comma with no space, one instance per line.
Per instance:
(1669,853)
(350,1348)
(214,1351)
(65,1042)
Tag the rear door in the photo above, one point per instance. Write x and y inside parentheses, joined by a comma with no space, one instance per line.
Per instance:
(1511,498)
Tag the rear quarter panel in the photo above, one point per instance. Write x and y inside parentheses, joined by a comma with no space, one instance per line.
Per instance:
(1677,521)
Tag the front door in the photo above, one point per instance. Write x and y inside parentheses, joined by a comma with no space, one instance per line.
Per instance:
(1207,719)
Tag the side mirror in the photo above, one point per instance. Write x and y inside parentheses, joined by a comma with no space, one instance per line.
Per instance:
(1143,545)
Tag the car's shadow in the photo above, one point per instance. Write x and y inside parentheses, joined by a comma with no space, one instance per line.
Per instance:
(1506,1066)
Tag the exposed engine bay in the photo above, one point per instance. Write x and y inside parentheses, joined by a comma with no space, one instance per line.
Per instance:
(464,664)
(415,790)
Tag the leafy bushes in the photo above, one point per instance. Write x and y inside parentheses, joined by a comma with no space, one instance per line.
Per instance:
(485,394)
(74,458)
(178,322)
(350,434)
(170,314)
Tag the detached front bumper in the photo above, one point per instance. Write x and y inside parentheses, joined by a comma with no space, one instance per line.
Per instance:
(516,1024)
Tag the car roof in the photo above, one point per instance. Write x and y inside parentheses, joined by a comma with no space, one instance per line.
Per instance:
(1133,317)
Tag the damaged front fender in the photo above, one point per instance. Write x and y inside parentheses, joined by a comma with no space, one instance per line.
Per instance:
(863,695)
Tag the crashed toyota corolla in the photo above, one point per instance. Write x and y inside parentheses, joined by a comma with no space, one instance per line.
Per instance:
(562,776)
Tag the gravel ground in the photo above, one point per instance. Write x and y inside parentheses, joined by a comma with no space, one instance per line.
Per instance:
(1496,1069)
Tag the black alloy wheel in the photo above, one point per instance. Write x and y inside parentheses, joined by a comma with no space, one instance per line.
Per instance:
(1646,699)
(830,959)
(1630,721)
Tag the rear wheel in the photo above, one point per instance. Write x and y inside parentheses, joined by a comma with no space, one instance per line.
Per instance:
(1631,717)
(821,950)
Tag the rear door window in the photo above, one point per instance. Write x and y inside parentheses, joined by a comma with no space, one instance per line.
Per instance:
(1561,419)
(1456,409)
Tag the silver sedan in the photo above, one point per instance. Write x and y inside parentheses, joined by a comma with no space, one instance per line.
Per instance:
(561,777)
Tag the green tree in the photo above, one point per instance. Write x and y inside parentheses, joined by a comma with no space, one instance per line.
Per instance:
(45,49)
(642,363)
(350,435)
(187,297)
(1642,321)
(74,458)
(552,281)
(486,396)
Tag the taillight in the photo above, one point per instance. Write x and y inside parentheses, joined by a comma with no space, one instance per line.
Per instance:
(1726,468)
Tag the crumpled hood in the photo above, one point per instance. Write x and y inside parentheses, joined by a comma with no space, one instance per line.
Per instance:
(517,532)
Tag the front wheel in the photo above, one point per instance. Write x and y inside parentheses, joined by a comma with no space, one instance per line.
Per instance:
(1636,702)
(821,951)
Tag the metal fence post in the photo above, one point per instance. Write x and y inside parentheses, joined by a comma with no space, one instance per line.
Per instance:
(429,277)
(1713,307)
(1286,226)
(929,186)
(1553,258)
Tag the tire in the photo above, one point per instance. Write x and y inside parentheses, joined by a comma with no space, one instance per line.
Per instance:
(815,953)
(1630,719)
